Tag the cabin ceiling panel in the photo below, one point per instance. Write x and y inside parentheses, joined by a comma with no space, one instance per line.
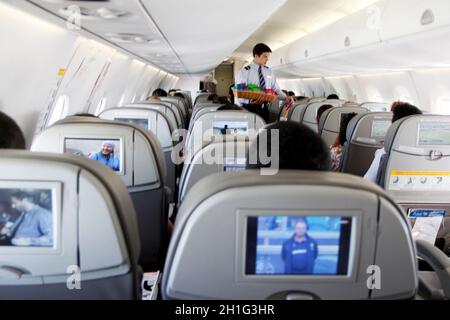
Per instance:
(188,36)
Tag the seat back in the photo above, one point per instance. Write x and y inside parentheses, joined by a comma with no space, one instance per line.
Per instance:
(297,109)
(245,248)
(155,122)
(187,98)
(202,97)
(177,106)
(308,116)
(202,105)
(416,171)
(330,122)
(201,112)
(73,227)
(226,153)
(221,123)
(141,168)
(180,103)
(161,107)
(365,134)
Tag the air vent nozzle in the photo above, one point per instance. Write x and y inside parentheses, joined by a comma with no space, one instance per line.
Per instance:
(427,18)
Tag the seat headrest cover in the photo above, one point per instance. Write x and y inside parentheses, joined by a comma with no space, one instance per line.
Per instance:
(150,137)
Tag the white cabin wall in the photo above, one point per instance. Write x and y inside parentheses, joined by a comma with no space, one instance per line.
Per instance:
(434,89)
(49,70)
(385,87)
(33,51)
(190,83)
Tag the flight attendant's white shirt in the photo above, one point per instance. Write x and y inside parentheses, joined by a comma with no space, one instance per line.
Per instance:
(249,75)
(371,175)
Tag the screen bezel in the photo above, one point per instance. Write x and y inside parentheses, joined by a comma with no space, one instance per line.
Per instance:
(353,256)
(122,171)
(56,190)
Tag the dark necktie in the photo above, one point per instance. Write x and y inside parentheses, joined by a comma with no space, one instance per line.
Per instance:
(262,82)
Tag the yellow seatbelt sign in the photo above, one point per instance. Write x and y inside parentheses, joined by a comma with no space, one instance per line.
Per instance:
(61,72)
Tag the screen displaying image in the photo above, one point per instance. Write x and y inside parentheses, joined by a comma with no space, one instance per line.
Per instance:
(298,245)
(26,217)
(234,164)
(380,127)
(105,151)
(141,122)
(230,127)
(434,133)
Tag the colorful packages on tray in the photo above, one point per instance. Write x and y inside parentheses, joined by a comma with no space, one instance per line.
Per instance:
(253,88)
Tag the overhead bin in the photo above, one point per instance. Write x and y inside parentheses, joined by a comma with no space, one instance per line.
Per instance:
(406,33)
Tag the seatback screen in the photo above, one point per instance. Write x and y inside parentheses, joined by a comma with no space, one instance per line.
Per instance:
(434,133)
(298,245)
(141,122)
(26,217)
(230,127)
(105,151)
(380,127)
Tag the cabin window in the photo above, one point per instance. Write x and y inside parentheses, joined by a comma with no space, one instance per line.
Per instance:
(60,110)
(443,106)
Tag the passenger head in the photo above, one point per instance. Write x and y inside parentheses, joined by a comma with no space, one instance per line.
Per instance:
(11,136)
(172,92)
(153,98)
(222,100)
(261,54)
(159,93)
(300,148)
(212,97)
(230,106)
(333,97)
(321,111)
(403,109)
(342,136)
(108,148)
(84,114)
(291,94)
(179,95)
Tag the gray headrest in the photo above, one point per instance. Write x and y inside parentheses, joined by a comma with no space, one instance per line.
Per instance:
(116,191)
(327,121)
(151,138)
(404,132)
(213,236)
(360,119)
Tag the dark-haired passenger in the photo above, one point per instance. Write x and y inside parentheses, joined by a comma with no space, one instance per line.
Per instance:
(336,147)
(300,148)
(11,136)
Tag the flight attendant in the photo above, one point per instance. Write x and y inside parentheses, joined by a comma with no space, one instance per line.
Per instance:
(260,74)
